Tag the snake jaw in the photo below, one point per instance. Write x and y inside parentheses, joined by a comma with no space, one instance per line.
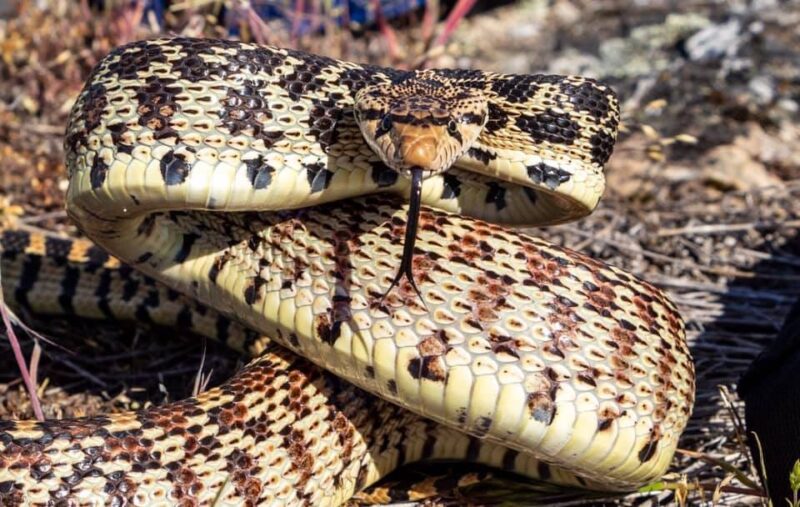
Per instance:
(406,263)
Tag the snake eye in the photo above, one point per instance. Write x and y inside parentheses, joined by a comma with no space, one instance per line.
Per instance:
(452,127)
(386,123)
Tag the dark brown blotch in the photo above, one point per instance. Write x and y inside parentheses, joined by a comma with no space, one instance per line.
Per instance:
(174,168)
(97,174)
(542,407)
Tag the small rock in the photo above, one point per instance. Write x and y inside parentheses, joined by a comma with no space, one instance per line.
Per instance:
(715,42)
(780,148)
(648,48)
(524,31)
(763,89)
(575,62)
(732,166)
(789,105)
(744,164)
(763,5)
(516,64)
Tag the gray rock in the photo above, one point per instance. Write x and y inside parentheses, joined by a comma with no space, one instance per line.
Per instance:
(647,50)
(762,88)
(716,42)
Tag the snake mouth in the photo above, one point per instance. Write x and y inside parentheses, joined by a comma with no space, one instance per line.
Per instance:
(412,224)
(419,149)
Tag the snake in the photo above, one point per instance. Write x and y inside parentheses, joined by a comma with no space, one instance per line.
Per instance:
(357,229)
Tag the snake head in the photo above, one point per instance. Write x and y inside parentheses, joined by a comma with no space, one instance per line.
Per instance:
(420,123)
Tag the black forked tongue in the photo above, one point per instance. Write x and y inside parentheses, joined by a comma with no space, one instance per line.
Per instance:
(412,223)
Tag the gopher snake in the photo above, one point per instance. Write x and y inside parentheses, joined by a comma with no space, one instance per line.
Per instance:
(578,370)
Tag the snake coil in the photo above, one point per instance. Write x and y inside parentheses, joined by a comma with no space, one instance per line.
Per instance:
(261,185)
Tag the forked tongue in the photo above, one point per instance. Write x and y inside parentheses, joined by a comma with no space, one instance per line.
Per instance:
(412,223)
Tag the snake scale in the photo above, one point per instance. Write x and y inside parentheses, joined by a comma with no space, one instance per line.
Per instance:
(265,187)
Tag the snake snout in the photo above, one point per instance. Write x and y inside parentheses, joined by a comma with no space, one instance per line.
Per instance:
(420,151)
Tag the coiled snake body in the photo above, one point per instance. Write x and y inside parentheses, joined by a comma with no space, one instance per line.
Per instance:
(186,159)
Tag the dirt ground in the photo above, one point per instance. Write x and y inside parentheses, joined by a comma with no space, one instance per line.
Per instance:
(703,195)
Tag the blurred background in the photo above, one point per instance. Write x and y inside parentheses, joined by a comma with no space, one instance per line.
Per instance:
(702,194)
